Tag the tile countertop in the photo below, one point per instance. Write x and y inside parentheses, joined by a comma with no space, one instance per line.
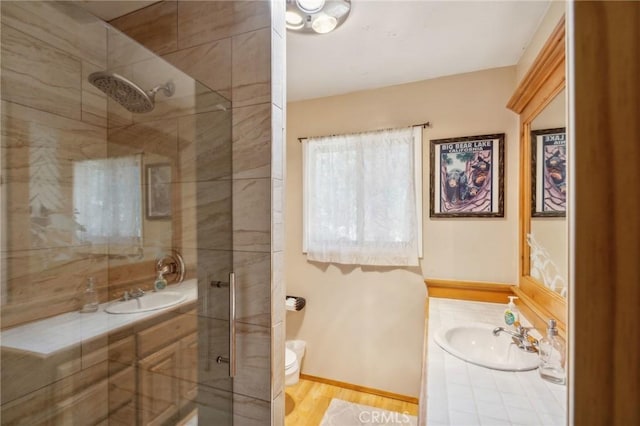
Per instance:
(460,393)
(45,337)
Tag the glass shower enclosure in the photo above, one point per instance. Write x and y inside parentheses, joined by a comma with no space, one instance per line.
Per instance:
(116,170)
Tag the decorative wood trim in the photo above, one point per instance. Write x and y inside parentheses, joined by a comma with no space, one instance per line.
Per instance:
(537,313)
(469,290)
(358,388)
(550,58)
(605,292)
(543,82)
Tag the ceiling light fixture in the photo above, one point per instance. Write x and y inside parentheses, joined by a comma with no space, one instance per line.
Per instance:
(316,16)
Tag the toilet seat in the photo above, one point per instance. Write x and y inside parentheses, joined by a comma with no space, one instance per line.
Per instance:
(290,358)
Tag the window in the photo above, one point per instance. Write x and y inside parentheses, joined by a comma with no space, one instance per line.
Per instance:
(107,200)
(362,196)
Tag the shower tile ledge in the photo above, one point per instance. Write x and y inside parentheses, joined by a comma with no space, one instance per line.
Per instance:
(45,337)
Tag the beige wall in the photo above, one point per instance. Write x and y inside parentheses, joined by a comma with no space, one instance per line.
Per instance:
(365,325)
(554,13)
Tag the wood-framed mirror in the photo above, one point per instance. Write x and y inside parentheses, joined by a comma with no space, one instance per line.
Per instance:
(539,99)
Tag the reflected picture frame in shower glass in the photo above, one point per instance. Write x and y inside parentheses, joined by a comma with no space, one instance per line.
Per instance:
(548,172)
(158,191)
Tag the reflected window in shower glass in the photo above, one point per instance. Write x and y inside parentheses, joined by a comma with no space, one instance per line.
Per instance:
(107,200)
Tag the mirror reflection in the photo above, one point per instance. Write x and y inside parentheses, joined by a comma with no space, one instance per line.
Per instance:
(548,236)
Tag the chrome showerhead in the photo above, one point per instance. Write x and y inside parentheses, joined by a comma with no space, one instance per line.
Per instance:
(127,93)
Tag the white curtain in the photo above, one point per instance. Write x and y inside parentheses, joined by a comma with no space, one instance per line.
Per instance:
(360,198)
(107,200)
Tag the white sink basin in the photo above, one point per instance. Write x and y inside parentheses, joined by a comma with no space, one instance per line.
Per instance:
(148,302)
(477,344)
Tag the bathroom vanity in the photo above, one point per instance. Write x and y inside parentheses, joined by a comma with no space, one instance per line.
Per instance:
(459,392)
(113,369)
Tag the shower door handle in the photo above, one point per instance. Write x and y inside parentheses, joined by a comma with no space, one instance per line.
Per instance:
(232,324)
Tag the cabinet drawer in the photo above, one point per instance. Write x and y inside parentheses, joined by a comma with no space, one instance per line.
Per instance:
(122,354)
(158,336)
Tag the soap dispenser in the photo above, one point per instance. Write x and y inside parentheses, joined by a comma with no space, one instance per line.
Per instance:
(90,297)
(551,350)
(160,283)
(511,314)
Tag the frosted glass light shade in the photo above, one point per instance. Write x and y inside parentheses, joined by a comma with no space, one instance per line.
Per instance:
(324,24)
(310,6)
(294,20)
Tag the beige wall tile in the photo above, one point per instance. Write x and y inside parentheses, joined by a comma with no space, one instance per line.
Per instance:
(153,26)
(277,218)
(277,142)
(209,63)
(158,140)
(252,215)
(278,63)
(251,68)
(210,204)
(213,341)
(59,24)
(123,52)
(277,410)
(251,141)
(250,412)
(253,287)
(40,76)
(205,146)
(278,8)
(253,362)
(215,407)
(202,22)
(42,147)
(278,288)
(277,360)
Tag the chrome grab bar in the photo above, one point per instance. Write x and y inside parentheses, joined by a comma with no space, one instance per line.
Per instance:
(232,324)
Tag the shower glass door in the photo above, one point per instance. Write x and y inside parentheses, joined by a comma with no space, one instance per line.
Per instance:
(94,188)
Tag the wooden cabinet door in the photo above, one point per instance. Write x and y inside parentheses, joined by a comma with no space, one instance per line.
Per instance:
(88,406)
(159,386)
(188,374)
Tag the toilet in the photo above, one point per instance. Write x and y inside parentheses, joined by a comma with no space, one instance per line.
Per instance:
(291,368)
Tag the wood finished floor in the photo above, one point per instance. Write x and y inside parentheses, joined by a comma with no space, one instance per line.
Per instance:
(306,402)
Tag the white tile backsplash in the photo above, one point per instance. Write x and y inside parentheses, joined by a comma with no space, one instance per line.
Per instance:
(462,394)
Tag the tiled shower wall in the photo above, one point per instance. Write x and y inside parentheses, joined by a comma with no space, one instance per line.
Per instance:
(237,48)
(51,118)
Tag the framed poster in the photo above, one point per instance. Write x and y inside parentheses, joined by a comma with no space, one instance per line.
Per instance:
(549,172)
(158,196)
(467,176)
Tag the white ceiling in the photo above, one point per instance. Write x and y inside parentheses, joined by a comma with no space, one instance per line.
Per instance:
(388,42)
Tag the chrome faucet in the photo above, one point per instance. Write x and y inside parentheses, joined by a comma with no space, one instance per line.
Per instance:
(520,337)
(131,294)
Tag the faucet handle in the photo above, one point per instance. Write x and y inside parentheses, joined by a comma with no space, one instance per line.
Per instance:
(125,295)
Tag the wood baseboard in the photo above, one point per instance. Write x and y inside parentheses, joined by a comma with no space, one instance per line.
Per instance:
(358,388)
(469,290)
